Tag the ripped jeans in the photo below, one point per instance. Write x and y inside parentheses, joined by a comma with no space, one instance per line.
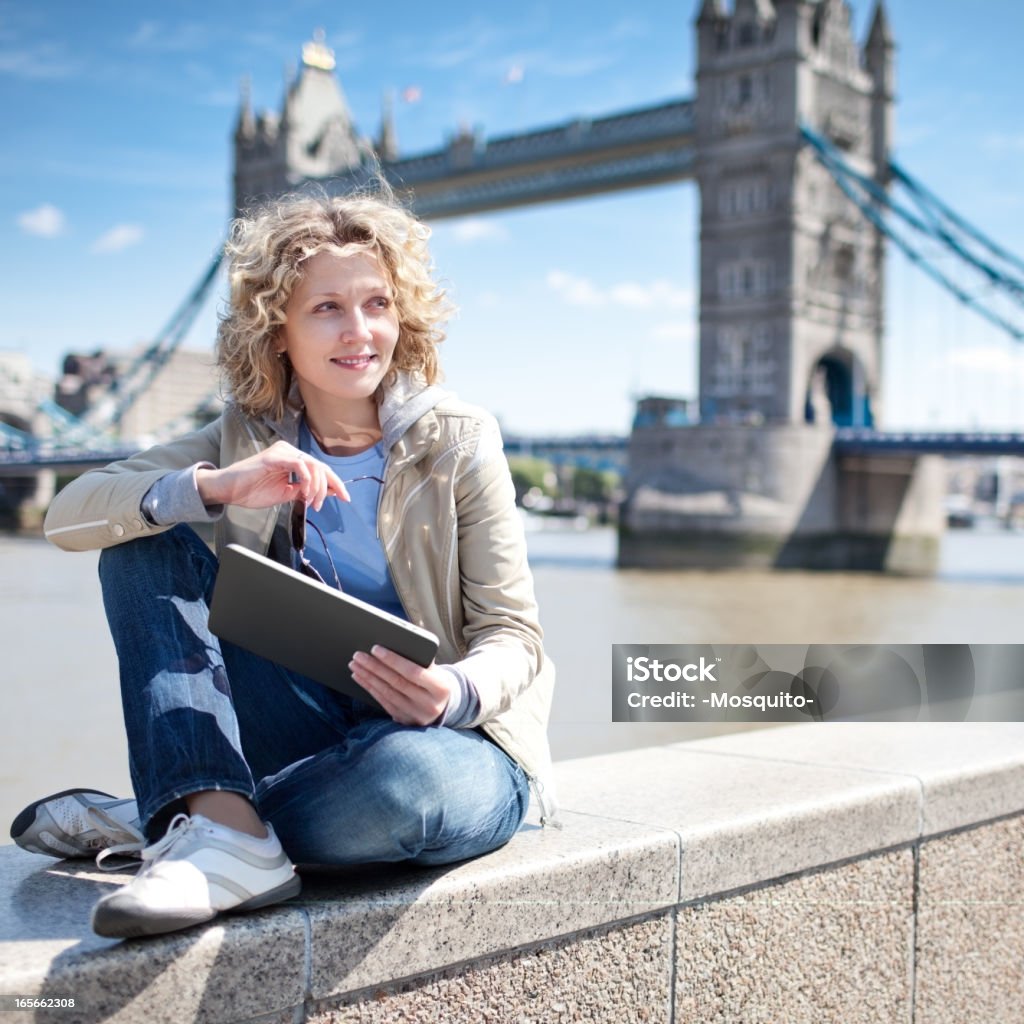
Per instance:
(341,783)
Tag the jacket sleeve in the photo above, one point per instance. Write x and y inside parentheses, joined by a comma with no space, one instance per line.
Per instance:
(104,506)
(501,628)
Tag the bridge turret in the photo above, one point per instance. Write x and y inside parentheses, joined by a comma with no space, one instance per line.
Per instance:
(245,126)
(880,37)
(386,143)
(795,19)
(313,137)
(879,59)
(320,138)
(711,11)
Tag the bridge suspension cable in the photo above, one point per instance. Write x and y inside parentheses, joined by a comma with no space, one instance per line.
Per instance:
(921,218)
(108,410)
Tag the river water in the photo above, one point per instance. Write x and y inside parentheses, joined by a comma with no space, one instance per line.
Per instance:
(61,720)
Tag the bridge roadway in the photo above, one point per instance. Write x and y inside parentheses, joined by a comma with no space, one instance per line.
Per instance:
(598,451)
(856,441)
(647,146)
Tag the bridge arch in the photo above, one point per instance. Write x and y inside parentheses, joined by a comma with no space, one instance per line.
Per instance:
(835,391)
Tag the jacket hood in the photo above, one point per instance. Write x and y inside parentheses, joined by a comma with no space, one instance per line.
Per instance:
(407,400)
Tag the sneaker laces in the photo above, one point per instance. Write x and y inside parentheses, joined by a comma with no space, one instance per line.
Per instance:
(128,841)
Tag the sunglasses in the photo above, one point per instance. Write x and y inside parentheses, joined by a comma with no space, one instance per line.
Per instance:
(297,532)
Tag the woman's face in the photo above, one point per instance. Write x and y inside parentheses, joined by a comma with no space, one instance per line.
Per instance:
(341,330)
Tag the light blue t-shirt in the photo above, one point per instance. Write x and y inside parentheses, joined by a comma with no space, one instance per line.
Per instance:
(350,528)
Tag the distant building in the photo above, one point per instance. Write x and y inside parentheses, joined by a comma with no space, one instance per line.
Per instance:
(184,393)
(22,388)
(662,411)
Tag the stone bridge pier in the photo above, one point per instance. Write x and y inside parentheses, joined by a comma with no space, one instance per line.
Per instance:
(776,496)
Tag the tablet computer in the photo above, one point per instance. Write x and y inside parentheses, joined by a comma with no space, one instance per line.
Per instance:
(303,624)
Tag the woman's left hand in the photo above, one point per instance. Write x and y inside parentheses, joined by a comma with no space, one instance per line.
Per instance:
(409,693)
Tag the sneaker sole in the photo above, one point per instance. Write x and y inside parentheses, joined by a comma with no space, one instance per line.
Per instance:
(21,827)
(129,919)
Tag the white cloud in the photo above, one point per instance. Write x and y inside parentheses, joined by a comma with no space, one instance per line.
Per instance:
(46,221)
(658,294)
(119,237)
(457,47)
(479,229)
(38,61)
(170,37)
(576,290)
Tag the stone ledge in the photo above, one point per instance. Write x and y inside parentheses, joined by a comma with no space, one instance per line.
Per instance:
(645,831)
(742,821)
(968,772)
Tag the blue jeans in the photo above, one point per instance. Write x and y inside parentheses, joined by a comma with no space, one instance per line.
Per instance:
(340,782)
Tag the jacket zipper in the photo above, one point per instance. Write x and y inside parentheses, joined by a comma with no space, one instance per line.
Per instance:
(548,813)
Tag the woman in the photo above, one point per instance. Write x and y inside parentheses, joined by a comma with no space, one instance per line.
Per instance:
(328,350)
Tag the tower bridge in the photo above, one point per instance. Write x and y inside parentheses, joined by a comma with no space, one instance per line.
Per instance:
(788,138)
(792,115)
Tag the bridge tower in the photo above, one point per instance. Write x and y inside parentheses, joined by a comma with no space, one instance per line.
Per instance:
(791,309)
(313,137)
(791,313)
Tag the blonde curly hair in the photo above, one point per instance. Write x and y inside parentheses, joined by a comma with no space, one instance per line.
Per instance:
(266,250)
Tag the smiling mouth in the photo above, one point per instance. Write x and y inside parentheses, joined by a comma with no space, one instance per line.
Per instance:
(354,362)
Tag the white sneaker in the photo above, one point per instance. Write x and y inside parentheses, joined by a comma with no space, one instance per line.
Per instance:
(197,870)
(78,823)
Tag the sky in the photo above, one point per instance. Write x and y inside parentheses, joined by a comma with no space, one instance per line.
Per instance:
(116,161)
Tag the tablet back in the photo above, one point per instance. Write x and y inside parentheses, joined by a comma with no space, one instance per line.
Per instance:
(303,624)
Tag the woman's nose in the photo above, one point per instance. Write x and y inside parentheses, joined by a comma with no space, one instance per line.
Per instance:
(355,327)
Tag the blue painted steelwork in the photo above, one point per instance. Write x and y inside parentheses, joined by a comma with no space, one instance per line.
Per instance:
(871,442)
(998,269)
(131,384)
(604,452)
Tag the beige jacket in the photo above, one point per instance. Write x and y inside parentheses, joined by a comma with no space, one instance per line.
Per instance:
(448,525)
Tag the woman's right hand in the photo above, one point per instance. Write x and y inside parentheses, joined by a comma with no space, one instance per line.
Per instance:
(265,479)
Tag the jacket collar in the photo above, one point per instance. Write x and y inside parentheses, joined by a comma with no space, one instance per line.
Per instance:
(408,422)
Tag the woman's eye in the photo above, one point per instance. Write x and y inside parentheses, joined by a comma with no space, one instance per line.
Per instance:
(325,306)
(380,302)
